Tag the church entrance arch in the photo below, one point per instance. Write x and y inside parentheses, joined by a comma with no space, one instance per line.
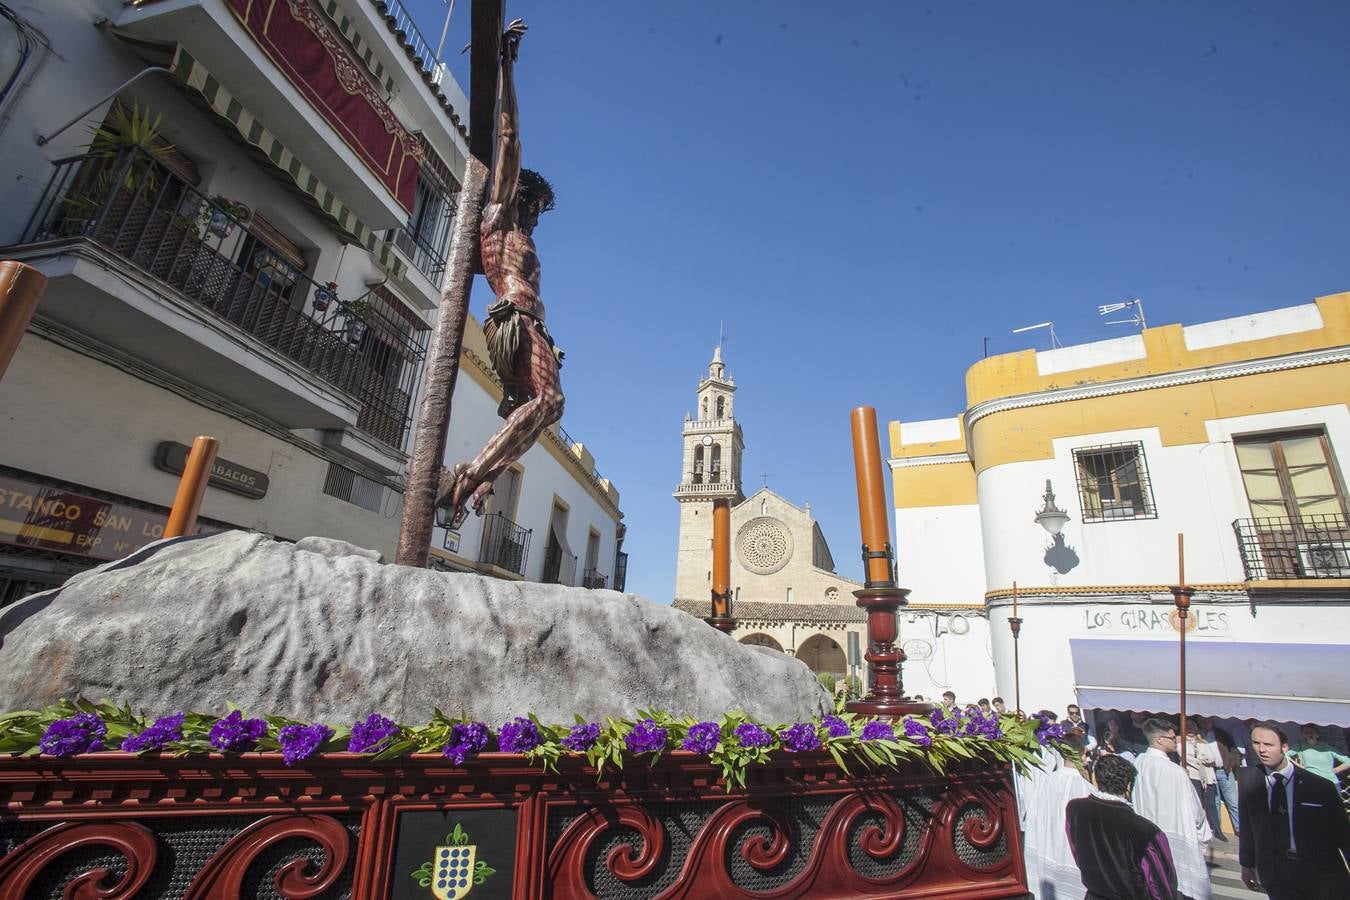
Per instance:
(823,655)
(760,639)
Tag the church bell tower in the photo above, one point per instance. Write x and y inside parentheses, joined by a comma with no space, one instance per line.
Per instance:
(713,447)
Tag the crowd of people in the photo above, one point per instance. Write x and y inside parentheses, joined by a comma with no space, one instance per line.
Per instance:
(1125,814)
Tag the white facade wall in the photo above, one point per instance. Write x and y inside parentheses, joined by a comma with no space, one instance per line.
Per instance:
(1048,625)
(951,533)
(940,659)
(1197,490)
(68,416)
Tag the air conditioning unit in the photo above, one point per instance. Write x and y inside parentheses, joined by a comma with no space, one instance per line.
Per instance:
(1328,559)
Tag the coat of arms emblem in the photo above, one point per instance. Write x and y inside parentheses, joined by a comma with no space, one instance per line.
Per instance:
(455,869)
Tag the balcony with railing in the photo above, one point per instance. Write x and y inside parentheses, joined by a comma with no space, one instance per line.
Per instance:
(560,567)
(505,544)
(1315,546)
(422,253)
(591,578)
(309,358)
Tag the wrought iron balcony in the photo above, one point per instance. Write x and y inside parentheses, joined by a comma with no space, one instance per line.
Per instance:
(591,578)
(1308,547)
(505,544)
(560,567)
(425,258)
(132,206)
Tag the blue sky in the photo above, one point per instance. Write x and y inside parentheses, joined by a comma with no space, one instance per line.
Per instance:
(864,192)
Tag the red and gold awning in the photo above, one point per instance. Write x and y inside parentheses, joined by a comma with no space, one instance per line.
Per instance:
(294,37)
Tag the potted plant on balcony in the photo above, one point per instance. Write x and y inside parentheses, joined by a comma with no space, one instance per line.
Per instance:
(219,215)
(324,296)
(124,158)
(358,314)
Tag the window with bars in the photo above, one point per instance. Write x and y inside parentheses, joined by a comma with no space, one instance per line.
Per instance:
(1113,483)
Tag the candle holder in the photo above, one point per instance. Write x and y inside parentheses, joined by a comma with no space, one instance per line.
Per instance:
(1181,596)
(880,596)
(721,618)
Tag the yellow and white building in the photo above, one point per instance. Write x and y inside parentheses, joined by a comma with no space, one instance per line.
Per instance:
(1234,433)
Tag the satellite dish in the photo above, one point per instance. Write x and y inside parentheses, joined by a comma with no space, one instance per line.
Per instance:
(958,624)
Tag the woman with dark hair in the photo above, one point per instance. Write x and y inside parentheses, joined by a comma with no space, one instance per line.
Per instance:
(1230,760)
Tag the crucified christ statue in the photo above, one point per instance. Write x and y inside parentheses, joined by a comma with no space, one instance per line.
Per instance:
(521,350)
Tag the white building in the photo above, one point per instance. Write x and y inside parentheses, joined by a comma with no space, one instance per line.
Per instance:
(1235,433)
(253,250)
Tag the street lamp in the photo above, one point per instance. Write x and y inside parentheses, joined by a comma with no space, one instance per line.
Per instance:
(1051,517)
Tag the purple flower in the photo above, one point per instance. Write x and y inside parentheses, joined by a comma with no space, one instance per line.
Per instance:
(165,729)
(801,738)
(703,738)
(916,732)
(582,737)
(646,737)
(835,726)
(1049,731)
(519,736)
(82,733)
(299,742)
(751,735)
(878,731)
(236,734)
(466,739)
(372,735)
(951,725)
(992,731)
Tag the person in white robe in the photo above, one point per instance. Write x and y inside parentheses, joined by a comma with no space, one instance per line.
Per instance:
(1052,873)
(1163,795)
(1024,783)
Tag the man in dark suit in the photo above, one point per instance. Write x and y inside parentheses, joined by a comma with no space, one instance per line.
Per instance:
(1295,837)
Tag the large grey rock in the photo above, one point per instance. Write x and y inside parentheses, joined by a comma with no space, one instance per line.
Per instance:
(194,623)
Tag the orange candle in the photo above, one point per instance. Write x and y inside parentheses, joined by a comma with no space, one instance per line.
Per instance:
(876,533)
(721,568)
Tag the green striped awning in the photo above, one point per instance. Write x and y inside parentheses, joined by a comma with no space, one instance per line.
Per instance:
(196,77)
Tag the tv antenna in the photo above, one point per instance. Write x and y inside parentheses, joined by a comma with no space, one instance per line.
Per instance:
(1054,341)
(1137,319)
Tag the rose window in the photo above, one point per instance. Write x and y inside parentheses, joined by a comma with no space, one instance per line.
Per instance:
(764,545)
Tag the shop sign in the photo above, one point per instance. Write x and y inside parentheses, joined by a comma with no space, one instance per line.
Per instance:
(171,456)
(1159,620)
(32,515)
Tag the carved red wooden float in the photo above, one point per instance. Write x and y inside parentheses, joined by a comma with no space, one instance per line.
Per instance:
(112,825)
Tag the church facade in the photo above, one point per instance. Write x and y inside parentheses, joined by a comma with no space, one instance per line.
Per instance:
(785,592)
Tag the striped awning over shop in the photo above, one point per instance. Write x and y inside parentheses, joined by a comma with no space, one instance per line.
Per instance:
(208,90)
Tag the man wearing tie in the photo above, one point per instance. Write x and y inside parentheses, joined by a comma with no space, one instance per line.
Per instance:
(1295,837)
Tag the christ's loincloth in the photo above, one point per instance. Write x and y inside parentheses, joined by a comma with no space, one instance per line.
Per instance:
(508,340)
